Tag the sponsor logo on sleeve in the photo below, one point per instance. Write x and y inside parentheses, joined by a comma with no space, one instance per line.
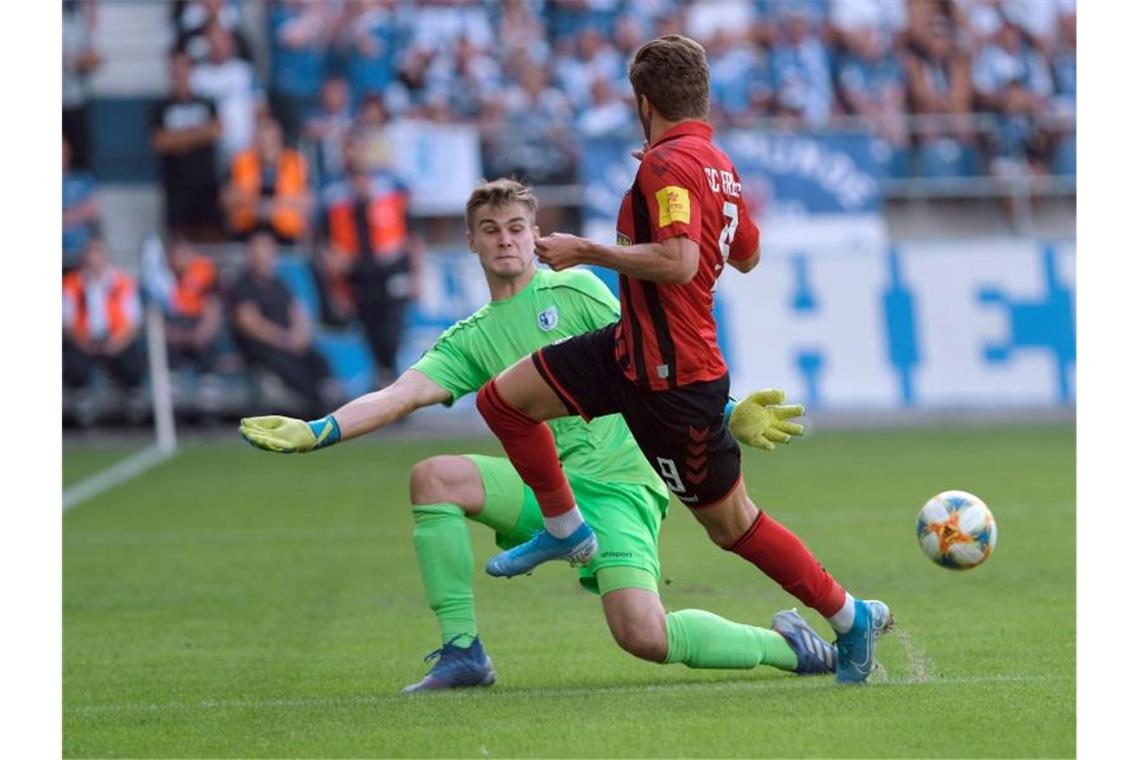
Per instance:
(672,205)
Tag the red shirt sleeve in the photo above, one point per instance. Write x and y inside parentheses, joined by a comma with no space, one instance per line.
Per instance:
(672,197)
(746,240)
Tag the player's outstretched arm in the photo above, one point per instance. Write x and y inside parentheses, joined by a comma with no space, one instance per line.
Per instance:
(673,260)
(372,411)
(762,419)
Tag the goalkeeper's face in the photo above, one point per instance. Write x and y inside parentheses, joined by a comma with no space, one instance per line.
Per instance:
(503,237)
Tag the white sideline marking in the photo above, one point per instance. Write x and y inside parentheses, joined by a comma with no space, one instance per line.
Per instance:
(116,474)
(767,685)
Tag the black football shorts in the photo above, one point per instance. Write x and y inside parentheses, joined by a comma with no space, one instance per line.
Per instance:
(681,431)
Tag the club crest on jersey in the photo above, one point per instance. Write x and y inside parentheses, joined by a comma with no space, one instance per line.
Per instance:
(623,239)
(548,319)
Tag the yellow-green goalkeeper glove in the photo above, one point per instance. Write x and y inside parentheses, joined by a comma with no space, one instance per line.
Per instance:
(287,435)
(762,420)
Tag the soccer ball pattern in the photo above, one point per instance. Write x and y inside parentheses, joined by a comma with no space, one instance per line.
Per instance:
(956,530)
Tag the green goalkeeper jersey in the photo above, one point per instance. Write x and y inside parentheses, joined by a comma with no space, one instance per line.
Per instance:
(554,305)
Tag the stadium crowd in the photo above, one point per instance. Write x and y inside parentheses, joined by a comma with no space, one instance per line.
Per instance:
(297,151)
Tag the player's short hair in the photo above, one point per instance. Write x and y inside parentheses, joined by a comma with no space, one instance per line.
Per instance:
(498,193)
(673,73)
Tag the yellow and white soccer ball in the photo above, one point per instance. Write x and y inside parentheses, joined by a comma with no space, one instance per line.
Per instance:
(957,530)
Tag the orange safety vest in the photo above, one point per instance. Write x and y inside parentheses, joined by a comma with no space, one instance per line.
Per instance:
(121,292)
(387,225)
(292,176)
(188,298)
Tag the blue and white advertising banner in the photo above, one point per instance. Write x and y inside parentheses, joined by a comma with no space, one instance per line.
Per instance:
(968,324)
(440,163)
(932,326)
(805,190)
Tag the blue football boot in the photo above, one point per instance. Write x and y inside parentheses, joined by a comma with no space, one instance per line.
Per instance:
(456,668)
(856,648)
(813,654)
(578,549)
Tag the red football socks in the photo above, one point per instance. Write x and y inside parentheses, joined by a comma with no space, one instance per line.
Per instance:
(530,447)
(782,556)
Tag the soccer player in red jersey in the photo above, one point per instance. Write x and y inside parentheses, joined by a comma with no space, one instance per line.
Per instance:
(683,219)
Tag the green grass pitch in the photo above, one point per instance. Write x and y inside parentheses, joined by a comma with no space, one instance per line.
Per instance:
(235,603)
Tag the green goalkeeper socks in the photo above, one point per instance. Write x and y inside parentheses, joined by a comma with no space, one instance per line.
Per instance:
(701,639)
(443,550)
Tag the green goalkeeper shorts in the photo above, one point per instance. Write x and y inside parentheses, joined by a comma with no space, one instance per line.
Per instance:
(626,519)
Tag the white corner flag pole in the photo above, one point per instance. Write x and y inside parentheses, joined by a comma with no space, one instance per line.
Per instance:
(161,393)
(162,398)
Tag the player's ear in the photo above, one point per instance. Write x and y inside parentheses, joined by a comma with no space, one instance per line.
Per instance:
(471,241)
(644,107)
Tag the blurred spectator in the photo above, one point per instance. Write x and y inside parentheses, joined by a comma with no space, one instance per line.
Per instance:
(438,24)
(739,84)
(704,21)
(887,17)
(979,20)
(102,316)
(373,37)
(80,58)
(193,20)
(533,138)
(568,18)
(185,284)
(370,143)
(299,34)
(273,330)
(410,93)
(871,83)
(520,29)
(939,91)
(1038,20)
(268,186)
(232,84)
(328,127)
(1012,80)
(184,133)
(1064,105)
(80,213)
(371,264)
(801,69)
(594,57)
(474,76)
(1065,68)
(606,114)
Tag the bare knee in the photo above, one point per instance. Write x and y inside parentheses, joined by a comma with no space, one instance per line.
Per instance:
(447,480)
(638,627)
(646,644)
(726,522)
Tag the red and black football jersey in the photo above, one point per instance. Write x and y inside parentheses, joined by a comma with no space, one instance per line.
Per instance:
(684,186)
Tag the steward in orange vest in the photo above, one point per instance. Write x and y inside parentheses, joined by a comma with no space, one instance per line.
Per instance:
(194,308)
(371,262)
(268,187)
(102,315)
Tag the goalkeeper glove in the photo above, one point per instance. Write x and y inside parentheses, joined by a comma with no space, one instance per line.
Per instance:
(287,435)
(762,421)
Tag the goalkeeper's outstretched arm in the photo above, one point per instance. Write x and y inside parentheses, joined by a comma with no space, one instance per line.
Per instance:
(372,411)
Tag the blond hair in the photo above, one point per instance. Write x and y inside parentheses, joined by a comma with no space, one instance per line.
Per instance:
(498,193)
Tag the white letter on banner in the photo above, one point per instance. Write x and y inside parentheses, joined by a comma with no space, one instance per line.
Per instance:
(814,326)
(966,294)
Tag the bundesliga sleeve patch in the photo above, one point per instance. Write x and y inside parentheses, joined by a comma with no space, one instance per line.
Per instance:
(672,205)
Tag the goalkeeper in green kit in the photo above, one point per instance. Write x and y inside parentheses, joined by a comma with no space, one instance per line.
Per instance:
(623,498)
